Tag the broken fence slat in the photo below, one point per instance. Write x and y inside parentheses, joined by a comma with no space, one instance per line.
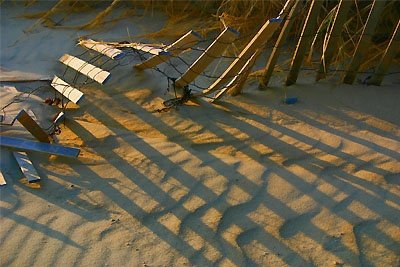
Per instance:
(187,41)
(2,179)
(20,144)
(26,166)
(104,49)
(67,90)
(31,125)
(85,68)
(212,52)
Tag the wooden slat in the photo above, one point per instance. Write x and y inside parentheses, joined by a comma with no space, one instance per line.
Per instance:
(60,116)
(365,40)
(26,166)
(2,179)
(20,144)
(304,41)
(392,49)
(266,31)
(214,51)
(182,44)
(150,49)
(266,76)
(32,126)
(102,48)
(85,68)
(333,38)
(238,80)
(67,90)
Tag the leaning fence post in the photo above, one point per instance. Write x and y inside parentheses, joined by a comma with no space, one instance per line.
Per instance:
(333,38)
(266,76)
(392,49)
(365,40)
(304,41)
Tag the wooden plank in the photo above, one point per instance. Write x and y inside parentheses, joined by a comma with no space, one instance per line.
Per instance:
(2,179)
(185,42)
(238,79)
(20,144)
(31,125)
(102,48)
(266,31)
(333,38)
(390,53)
(67,90)
(364,41)
(304,41)
(266,76)
(87,69)
(214,50)
(26,166)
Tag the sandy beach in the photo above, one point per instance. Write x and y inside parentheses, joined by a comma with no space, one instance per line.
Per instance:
(248,181)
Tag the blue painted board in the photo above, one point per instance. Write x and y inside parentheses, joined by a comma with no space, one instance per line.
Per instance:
(20,144)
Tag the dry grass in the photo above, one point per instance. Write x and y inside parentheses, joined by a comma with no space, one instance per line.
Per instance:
(246,16)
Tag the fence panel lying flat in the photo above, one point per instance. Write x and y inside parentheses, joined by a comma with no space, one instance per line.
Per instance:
(266,76)
(31,125)
(20,144)
(67,90)
(365,40)
(85,68)
(26,166)
(185,42)
(212,52)
(104,49)
(390,52)
(304,41)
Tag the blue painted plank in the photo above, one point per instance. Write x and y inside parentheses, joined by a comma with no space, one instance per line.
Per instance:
(20,144)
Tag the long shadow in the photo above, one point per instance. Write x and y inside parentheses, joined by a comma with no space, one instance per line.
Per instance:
(204,231)
(216,166)
(41,228)
(383,150)
(318,196)
(328,149)
(363,124)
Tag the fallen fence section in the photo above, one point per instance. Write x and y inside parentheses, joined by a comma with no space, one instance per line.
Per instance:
(26,166)
(20,144)
(67,90)
(185,42)
(87,69)
(102,48)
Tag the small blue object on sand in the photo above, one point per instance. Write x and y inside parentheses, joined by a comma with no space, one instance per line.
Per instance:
(290,100)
